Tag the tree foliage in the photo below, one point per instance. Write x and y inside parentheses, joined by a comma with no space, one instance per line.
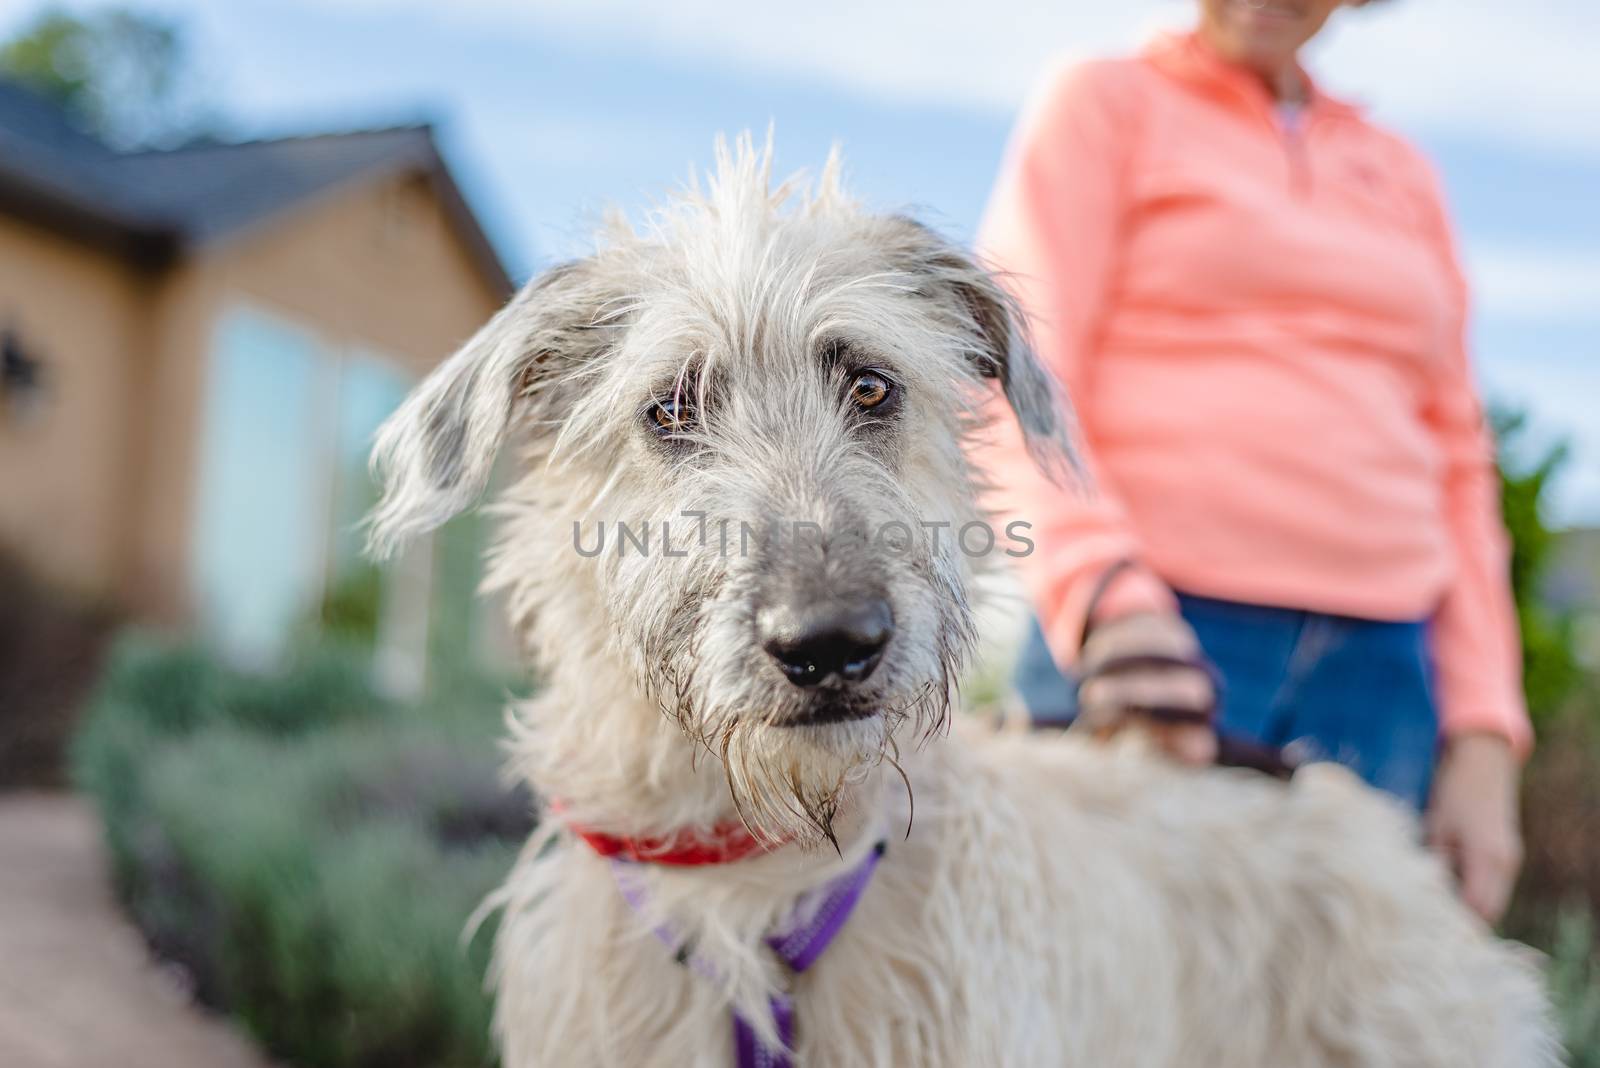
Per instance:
(124,75)
(1550,666)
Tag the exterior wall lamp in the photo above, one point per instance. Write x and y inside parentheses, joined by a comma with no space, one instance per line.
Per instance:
(21,378)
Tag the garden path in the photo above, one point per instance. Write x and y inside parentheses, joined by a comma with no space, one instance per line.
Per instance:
(77,987)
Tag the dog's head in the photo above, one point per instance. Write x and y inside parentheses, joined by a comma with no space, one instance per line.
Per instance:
(742,475)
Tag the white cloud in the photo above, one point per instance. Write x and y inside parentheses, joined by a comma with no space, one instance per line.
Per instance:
(1521,73)
(1516,73)
(1560,397)
(1529,283)
(945,51)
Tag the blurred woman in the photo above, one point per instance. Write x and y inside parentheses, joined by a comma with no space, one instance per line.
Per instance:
(1251,293)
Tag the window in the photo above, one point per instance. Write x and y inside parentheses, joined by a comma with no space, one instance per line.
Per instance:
(398,597)
(261,507)
(288,424)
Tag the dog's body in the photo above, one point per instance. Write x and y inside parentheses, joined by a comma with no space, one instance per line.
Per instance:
(1053,904)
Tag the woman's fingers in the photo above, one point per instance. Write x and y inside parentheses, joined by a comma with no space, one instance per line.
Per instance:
(1148,634)
(1140,669)
(1487,876)
(1177,687)
(1472,821)
(1107,703)
(1187,743)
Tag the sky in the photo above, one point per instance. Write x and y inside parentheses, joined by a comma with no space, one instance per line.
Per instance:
(551,110)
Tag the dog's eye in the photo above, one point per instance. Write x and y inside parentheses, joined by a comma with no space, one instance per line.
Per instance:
(670,417)
(870,390)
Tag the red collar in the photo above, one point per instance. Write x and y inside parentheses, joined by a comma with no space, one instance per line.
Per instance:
(723,844)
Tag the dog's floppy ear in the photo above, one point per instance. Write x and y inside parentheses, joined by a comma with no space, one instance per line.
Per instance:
(433,456)
(996,327)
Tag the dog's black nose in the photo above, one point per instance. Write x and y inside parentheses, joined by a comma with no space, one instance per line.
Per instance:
(837,640)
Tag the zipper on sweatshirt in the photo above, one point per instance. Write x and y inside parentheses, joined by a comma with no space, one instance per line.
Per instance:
(1290,123)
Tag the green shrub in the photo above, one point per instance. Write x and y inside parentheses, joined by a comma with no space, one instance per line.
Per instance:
(353,606)
(1558,897)
(1561,811)
(162,687)
(1574,977)
(344,907)
(173,688)
(1550,668)
(307,851)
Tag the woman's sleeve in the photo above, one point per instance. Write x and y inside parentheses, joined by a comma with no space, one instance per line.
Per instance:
(1052,230)
(1476,646)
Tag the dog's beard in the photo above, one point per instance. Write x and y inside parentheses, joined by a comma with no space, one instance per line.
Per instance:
(791,787)
(787,778)
(789,766)
(788,782)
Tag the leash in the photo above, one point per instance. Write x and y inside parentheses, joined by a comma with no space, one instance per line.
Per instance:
(816,920)
(1233,750)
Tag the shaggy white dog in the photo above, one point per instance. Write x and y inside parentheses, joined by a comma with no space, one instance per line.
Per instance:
(772,390)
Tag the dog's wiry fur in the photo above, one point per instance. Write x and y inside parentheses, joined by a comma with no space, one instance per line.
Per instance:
(1053,904)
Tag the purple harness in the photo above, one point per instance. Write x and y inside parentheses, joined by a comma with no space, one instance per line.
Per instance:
(798,945)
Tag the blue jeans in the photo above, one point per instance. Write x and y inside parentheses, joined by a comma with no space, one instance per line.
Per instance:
(1357,691)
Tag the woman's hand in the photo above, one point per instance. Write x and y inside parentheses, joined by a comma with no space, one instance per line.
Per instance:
(1110,701)
(1472,820)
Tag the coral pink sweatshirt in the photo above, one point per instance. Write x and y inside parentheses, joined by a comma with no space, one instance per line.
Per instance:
(1260,320)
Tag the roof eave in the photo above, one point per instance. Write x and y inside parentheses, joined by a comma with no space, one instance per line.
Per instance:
(142,244)
(465,221)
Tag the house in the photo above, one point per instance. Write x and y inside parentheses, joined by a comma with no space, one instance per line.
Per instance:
(196,345)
